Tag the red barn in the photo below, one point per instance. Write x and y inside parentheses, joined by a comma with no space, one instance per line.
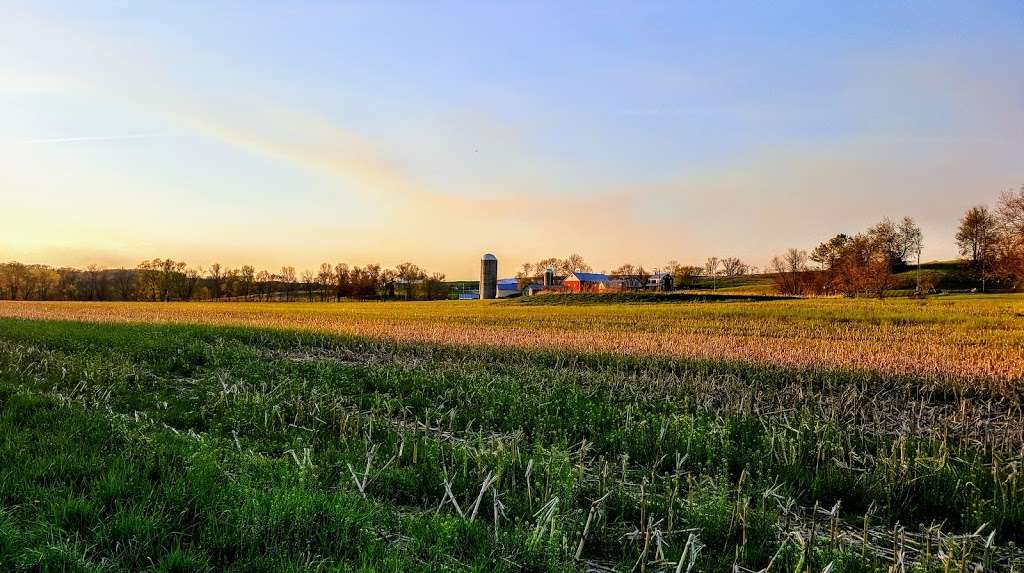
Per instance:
(585,282)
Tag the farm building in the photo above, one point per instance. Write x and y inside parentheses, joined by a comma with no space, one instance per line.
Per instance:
(586,282)
(508,287)
(490,285)
(625,283)
(493,287)
(503,288)
(660,281)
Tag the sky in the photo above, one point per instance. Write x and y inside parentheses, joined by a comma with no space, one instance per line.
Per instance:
(295,133)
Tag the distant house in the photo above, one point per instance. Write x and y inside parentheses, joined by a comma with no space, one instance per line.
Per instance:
(660,281)
(586,282)
(624,283)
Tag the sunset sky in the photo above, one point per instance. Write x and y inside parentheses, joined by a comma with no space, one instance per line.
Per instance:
(295,133)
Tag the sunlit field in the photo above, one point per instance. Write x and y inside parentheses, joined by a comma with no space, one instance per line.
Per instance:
(774,435)
(955,338)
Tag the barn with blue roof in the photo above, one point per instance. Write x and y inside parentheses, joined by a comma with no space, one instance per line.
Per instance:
(586,282)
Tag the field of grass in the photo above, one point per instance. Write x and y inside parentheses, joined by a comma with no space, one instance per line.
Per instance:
(746,284)
(780,435)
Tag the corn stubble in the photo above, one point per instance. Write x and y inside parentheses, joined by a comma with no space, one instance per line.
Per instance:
(793,436)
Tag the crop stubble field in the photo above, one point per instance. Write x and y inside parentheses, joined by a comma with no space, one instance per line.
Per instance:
(954,339)
(772,435)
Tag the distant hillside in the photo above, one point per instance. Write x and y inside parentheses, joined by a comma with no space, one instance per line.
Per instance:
(747,284)
(945,275)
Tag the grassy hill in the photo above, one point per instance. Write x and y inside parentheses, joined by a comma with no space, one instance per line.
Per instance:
(945,275)
(747,284)
(952,275)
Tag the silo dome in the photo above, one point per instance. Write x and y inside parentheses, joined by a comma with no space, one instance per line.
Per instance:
(488,257)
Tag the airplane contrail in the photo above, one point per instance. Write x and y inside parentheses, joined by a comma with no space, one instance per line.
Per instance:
(101,138)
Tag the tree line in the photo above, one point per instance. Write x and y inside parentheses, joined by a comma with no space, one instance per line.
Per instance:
(859,264)
(170,280)
(991,240)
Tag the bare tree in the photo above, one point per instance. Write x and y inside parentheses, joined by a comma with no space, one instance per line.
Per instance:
(308,280)
(325,280)
(789,271)
(263,283)
(372,282)
(342,281)
(388,279)
(976,237)
(67,283)
(886,237)
(216,280)
(829,254)
(549,263)
(434,287)
(1010,211)
(46,278)
(159,277)
(410,275)
(124,283)
(642,276)
(682,274)
(1009,260)
(232,282)
(897,241)
(15,276)
(711,270)
(246,279)
(187,286)
(147,279)
(912,243)
(288,282)
(733,267)
(526,275)
(624,271)
(94,276)
(574,263)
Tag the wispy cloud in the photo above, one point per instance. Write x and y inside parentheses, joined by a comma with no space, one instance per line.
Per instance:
(924,135)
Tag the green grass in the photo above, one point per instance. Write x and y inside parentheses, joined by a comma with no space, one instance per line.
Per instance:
(752,284)
(197,448)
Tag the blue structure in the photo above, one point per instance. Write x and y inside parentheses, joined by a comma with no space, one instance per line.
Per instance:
(508,287)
